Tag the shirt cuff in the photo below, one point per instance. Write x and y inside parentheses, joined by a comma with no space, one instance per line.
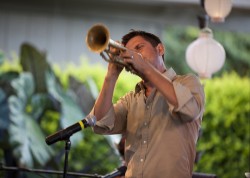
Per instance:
(107,122)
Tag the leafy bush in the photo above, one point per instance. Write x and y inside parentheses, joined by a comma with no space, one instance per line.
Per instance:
(226,127)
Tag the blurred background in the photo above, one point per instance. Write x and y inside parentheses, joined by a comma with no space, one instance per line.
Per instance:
(49,79)
(59,27)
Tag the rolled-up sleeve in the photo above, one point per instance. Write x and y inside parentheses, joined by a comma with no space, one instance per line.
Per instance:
(114,121)
(106,124)
(190,97)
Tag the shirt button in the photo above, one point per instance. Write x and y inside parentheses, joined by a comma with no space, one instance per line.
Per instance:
(141,160)
(147,107)
(145,123)
(144,141)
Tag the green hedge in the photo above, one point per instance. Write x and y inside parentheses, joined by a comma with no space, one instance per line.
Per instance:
(225,140)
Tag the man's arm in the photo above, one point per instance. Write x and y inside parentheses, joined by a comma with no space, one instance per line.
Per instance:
(185,97)
(152,76)
(164,85)
(104,100)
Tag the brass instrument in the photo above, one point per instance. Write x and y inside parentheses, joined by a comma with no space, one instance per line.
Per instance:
(98,40)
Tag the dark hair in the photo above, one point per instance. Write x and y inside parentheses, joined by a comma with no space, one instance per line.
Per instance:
(151,38)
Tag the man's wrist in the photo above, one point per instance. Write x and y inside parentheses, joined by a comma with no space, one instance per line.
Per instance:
(111,77)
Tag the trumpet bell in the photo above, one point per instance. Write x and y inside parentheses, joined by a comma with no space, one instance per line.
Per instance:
(97,38)
(98,41)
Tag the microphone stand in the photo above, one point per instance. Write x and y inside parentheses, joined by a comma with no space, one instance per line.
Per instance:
(67,149)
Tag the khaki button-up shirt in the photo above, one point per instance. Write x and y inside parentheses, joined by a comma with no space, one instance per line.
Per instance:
(160,139)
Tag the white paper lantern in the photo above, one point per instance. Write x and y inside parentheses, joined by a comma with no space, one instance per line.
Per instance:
(205,55)
(218,9)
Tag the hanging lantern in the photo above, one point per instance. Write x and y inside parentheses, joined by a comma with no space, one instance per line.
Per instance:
(218,9)
(205,55)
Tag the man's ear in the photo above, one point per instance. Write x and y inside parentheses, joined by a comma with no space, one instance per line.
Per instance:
(160,49)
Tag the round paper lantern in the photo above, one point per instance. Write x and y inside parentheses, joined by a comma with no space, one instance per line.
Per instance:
(218,9)
(205,55)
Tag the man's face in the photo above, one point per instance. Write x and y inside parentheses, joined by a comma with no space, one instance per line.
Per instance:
(148,52)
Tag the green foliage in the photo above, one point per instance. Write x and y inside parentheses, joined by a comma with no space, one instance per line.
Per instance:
(37,67)
(176,41)
(7,66)
(27,145)
(93,155)
(85,71)
(34,104)
(226,127)
(126,83)
(70,111)
(237,47)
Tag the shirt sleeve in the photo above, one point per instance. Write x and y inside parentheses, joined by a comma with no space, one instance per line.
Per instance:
(114,122)
(190,97)
(106,124)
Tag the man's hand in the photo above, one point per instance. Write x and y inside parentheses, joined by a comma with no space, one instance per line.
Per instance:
(136,61)
(113,68)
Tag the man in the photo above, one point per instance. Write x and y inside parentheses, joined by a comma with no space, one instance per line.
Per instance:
(160,119)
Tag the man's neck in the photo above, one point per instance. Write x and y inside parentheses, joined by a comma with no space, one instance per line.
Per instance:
(148,88)
(148,85)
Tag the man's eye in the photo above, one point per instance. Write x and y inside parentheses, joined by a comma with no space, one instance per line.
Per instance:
(139,47)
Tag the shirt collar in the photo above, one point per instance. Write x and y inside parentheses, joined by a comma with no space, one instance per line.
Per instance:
(170,74)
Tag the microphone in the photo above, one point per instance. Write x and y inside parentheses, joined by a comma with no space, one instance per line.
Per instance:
(64,134)
(119,172)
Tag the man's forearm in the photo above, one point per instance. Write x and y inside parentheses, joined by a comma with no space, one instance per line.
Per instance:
(104,100)
(162,84)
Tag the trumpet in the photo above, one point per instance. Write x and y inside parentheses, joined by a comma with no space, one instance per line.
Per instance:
(98,40)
